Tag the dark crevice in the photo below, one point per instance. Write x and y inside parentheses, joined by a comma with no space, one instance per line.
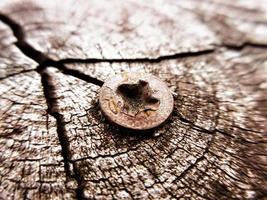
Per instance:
(244,45)
(193,165)
(43,60)
(193,126)
(160,58)
(17,73)
(51,100)
(135,60)
(15,27)
(21,43)
(81,183)
(32,53)
(198,160)
(78,74)
(216,130)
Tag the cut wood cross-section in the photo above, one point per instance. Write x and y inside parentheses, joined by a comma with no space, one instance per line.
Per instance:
(55,56)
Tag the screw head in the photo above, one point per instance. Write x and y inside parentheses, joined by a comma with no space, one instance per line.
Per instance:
(136,101)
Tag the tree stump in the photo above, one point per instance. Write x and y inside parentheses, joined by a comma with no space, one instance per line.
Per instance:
(54,141)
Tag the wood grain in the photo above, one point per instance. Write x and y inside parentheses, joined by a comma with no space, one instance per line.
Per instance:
(54,141)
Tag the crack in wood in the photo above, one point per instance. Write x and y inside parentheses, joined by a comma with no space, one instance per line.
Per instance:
(51,100)
(136,60)
(43,60)
(17,73)
(78,74)
(244,45)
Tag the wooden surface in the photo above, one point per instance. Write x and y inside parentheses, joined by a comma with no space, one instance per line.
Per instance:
(55,55)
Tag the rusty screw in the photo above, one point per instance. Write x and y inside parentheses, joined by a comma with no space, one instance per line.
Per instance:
(136,101)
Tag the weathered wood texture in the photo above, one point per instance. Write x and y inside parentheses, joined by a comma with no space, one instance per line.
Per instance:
(54,142)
